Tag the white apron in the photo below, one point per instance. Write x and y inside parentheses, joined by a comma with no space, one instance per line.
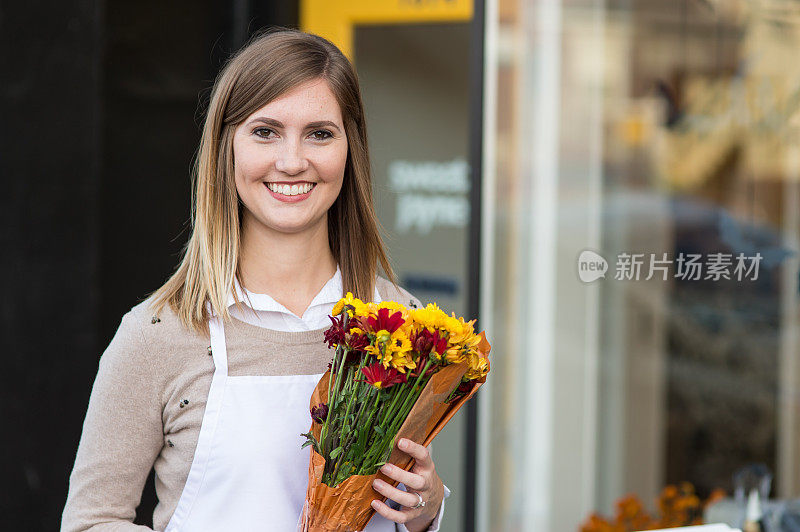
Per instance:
(249,472)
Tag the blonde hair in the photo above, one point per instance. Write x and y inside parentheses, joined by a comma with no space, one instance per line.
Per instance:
(270,65)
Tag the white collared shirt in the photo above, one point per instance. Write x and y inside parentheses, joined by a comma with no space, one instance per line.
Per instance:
(262,310)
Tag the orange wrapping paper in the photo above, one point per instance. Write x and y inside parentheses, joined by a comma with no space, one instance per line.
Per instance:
(347,507)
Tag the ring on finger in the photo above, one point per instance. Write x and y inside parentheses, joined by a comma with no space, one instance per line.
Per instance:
(420,504)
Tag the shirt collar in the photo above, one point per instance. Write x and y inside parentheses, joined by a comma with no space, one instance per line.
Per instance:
(330,293)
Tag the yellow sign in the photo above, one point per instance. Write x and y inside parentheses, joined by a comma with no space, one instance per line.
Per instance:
(335,19)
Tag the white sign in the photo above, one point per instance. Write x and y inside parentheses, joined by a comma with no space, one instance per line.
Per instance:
(429,176)
(430,194)
(702,528)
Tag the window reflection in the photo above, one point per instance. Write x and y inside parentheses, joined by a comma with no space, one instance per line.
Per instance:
(676,132)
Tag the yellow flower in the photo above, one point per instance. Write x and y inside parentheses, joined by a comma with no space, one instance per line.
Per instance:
(398,353)
(452,325)
(402,361)
(349,299)
(383,336)
(374,350)
(478,365)
(399,343)
(431,317)
(462,341)
(408,327)
(455,355)
(461,332)
(394,307)
(392,350)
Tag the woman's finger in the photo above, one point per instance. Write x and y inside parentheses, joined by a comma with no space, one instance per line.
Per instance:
(388,513)
(411,480)
(399,496)
(418,452)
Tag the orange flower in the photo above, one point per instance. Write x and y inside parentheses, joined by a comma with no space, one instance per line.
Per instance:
(678,506)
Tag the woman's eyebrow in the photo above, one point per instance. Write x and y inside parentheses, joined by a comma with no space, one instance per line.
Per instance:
(322,123)
(311,125)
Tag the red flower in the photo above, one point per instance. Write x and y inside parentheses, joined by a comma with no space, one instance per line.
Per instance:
(335,334)
(358,341)
(425,341)
(465,387)
(421,361)
(380,377)
(319,413)
(386,321)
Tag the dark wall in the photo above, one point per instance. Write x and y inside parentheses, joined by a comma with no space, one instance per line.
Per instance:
(161,60)
(49,236)
(100,113)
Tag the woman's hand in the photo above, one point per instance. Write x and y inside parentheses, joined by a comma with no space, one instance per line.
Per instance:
(421,479)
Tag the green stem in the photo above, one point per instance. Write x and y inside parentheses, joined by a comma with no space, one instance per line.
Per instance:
(364,436)
(325,439)
(413,388)
(324,429)
(394,420)
(387,445)
(352,389)
(345,421)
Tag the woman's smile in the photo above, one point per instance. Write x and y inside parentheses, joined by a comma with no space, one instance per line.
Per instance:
(290,192)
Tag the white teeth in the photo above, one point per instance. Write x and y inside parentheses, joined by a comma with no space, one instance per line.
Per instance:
(290,190)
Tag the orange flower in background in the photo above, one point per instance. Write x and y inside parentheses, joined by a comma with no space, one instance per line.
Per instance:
(677,506)
(716,496)
(597,523)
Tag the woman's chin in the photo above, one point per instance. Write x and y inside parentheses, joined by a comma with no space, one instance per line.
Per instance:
(283,221)
(294,227)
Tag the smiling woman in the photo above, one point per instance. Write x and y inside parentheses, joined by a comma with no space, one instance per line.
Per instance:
(290,160)
(286,110)
(283,226)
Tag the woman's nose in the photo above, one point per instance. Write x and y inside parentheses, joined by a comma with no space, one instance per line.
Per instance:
(291,162)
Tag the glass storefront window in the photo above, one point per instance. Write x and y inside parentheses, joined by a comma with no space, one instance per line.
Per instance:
(660,139)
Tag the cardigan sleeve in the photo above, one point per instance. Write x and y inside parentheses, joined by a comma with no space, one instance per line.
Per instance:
(122,436)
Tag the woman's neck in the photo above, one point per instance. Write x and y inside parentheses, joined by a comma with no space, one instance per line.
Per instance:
(291,268)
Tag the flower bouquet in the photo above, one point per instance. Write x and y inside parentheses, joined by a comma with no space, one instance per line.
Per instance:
(396,373)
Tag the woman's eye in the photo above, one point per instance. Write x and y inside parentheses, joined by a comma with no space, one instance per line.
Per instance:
(262,132)
(322,134)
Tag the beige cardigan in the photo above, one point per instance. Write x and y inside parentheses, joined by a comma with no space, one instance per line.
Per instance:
(147,405)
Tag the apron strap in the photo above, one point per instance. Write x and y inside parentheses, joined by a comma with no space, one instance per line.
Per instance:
(207,428)
(218,349)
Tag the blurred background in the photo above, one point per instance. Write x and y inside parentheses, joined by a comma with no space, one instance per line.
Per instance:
(507,137)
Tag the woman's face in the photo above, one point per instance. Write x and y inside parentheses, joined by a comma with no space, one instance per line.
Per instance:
(289,159)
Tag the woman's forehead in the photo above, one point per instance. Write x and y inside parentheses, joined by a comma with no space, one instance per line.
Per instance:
(309,101)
